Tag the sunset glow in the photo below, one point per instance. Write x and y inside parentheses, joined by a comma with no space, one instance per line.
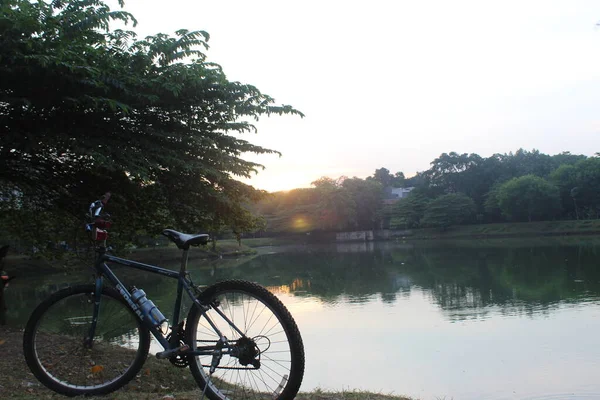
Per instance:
(468,76)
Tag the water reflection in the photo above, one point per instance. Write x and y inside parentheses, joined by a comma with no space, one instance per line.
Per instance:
(464,281)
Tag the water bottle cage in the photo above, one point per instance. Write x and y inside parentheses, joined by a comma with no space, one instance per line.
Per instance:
(147,307)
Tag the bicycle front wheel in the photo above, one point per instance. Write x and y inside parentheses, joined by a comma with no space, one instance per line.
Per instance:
(263,356)
(71,355)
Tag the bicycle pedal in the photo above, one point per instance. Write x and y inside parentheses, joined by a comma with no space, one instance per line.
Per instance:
(172,352)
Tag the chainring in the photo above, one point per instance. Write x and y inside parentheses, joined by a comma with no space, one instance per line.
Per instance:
(176,338)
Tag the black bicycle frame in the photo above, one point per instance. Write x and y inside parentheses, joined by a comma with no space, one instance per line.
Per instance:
(102,269)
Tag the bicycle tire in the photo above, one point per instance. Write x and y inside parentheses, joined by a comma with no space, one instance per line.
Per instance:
(54,342)
(276,378)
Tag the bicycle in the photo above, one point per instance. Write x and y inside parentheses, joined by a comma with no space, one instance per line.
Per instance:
(93,339)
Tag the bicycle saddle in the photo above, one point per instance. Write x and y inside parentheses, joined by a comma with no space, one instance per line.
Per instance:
(183,240)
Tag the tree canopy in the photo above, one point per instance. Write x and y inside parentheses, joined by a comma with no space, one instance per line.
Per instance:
(409,212)
(85,109)
(482,189)
(449,209)
(528,198)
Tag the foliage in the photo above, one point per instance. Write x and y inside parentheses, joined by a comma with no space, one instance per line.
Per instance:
(480,177)
(447,210)
(292,211)
(383,176)
(490,204)
(407,213)
(565,178)
(336,209)
(367,196)
(576,176)
(528,198)
(386,179)
(582,181)
(448,169)
(399,180)
(330,205)
(85,109)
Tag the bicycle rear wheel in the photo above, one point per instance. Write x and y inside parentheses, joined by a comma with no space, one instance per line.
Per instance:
(60,353)
(265,361)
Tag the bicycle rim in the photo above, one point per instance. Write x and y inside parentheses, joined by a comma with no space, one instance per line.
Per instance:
(64,358)
(268,359)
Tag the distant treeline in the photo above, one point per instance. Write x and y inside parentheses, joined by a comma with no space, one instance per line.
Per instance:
(457,189)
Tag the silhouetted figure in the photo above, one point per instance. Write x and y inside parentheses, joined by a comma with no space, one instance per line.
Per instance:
(4,279)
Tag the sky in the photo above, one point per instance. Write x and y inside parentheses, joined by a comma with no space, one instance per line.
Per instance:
(395,84)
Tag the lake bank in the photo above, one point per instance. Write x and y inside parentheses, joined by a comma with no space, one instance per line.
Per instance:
(515,229)
(160,255)
(230,249)
(479,231)
(156,380)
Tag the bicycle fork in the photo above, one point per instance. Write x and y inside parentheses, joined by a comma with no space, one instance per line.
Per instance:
(89,340)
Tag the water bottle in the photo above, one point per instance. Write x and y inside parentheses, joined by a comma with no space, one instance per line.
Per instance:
(149,310)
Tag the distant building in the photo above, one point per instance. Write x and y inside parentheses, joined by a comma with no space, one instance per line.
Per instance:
(392,195)
(401,192)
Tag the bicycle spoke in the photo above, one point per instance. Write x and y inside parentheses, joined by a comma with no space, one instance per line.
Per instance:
(257,365)
(61,359)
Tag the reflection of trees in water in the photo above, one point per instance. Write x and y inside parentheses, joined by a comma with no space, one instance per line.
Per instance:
(524,280)
(463,281)
(327,275)
(297,286)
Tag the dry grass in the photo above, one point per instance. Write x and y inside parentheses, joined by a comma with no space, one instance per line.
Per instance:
(157,380)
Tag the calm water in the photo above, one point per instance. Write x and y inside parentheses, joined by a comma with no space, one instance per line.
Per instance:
(493,320)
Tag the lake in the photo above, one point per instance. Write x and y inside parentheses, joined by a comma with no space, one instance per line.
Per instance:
(498,319)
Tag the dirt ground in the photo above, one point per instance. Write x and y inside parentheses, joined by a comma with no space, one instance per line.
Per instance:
(157,380)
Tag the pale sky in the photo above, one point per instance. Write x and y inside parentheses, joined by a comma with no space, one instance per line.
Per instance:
(396,83)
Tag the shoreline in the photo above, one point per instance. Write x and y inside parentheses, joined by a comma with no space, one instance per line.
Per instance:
(477,231)
(156,380)
(228,249)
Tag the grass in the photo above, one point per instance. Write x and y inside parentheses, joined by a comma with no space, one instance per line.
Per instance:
(273,241)
(517,229)
(156,380)
(224,248)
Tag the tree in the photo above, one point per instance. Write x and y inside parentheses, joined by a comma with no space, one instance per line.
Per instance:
(399,180)
(367,196)
(491,206)
(417,180)
(383,176)
(573,193)
(450,209)
(449,170)
(529,198)
(408,213)
(85,109)
(336,208)
(587,181)
(523,162)
(567,158)
(565,178)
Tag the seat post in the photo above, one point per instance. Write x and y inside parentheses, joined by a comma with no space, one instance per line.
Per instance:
(184,260)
